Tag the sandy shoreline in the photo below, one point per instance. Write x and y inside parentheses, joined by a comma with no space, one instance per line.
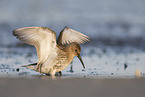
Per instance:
(72,87)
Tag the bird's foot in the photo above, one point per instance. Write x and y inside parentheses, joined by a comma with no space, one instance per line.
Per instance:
(71,69)
(60,73)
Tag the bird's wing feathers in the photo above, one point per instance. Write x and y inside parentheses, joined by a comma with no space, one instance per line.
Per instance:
(43,38)
(68,36)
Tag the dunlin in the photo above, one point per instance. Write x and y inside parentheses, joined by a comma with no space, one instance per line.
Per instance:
(53,56)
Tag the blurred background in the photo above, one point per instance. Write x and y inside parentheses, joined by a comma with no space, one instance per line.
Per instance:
(116,28)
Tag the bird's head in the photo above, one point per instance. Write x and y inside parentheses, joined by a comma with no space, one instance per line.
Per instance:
(76,50)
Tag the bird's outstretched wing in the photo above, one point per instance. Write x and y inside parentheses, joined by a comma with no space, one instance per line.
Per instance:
(43,38)
(68,36)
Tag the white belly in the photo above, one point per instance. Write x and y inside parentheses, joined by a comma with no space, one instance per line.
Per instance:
(55,64)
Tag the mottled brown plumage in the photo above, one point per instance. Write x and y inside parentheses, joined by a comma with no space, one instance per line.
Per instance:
(53,56)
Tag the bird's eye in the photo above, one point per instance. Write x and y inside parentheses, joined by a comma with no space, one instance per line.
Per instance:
(76,50)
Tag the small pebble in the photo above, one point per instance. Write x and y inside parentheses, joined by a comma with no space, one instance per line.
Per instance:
(17,69)
(125,66)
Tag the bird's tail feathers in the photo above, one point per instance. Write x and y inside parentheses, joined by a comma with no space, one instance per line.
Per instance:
(31,66)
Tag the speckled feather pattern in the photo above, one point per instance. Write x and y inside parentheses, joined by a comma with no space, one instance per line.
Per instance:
(52,56)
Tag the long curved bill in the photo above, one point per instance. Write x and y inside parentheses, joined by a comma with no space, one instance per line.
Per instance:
(81,60)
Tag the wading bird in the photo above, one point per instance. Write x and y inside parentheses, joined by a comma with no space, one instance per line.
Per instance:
(53,56)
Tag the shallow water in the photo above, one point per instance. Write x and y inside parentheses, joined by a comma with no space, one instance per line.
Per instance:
(99,62)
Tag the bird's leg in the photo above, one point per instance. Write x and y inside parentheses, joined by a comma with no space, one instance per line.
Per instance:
(71,68)
(60,73)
